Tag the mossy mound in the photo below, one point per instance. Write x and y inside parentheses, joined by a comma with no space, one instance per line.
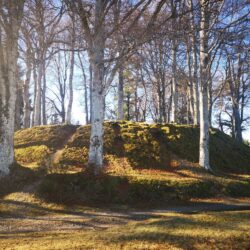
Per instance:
(36,145)
(38,155)
(135,190)
(156,146)
(52,136)
(144,146)
(146,164)
(74,156)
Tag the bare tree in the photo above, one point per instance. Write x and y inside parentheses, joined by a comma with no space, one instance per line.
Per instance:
(71,74)
(97,30)
(10,18)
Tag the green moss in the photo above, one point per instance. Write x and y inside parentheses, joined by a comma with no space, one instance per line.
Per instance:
(86,189)
(227,154)
(143,145)
(51,136)
(74,156)
(34,154)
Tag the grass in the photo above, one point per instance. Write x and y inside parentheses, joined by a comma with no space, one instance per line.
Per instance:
(51,136)
(49,201)
(144,164)
(144,146)
(213,230)
(121,185)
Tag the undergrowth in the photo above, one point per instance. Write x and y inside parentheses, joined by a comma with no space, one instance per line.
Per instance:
(144,164)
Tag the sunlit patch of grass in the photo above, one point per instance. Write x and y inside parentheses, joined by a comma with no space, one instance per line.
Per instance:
(74,156)
(51,136)
(145,146)
(227,230)
(33,156)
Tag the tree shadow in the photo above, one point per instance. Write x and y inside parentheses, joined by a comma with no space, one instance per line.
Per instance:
(18,178)
(191,231)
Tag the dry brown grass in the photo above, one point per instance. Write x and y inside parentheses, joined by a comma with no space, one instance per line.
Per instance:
(227,230)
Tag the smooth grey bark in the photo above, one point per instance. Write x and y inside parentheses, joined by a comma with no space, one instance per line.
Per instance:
(193,41)
(26,95)
(136,102)
(174,85)
(174,103)
(95,161)
(19,105)
(128,104)
(8,79)
(44,89)
(204,77)
(95,36)
(190,87)
(237,123)
(90,93)
(71,91)
(120,114)
(38,99)
(86,106)
(85,87)
(35,92)
(71,75)
(234,86)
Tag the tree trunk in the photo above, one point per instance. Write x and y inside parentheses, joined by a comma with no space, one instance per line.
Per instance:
(18,106)
(86,101)
(190,99)
(35,93)
(136,102)
(44,116)
(164,113)
(236,104)
(174,85)
(86,96)
(160,102)
(128,106)
(195,87)
(237,122)
(95,161)
(8,88)
(96,139)
(37,105)
(204,67)
(120,94)
(72,63)
(90,92)
(63,113)
(195,67)
(26,96)
(71,92)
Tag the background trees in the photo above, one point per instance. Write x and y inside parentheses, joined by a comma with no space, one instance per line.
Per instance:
(155,61)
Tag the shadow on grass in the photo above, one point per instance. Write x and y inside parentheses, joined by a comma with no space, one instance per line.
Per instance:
(192,231)
(18,178)
(110,190)
(85,189)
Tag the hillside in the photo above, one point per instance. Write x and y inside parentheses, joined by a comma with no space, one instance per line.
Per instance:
(151,195)
(143,146)
(145,164)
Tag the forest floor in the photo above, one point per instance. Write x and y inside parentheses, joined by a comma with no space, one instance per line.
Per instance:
(28,223)
(152,193)
(142,211)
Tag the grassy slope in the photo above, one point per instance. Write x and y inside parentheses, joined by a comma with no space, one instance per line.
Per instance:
(146,166)
(143,145)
